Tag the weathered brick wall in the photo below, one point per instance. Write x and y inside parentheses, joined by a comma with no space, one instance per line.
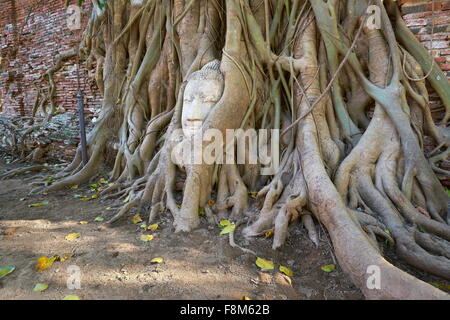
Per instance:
(32,33)
(432,28)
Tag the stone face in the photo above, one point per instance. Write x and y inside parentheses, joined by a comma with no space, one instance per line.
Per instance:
(202,92)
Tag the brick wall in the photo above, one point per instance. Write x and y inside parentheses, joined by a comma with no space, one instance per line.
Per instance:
(432,28)
(32,33)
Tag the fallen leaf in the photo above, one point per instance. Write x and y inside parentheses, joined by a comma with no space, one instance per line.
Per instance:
(224,223)
(48,179)
(211,203)
(72,236)
(84,222)
(127,198)
(103,181)
(23,199)
(77,196)
(143,226)
(66,256)
(264,264)
(269,233)
(99,219)
(40,287)
(44,263)
(10,231)
(157,260)
(85,199)
(245,298)
(228,229)
(146,237)
(201,212)
(328,268)
(74,187)
(136,219)
(286,271)
(40,204)
(153,227)
(110,184)
(94,186)
(441,285)
(95,196)
(253,194)
(71,297)
(6,270)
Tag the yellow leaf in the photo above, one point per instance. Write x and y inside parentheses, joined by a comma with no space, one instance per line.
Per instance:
(74,187)
(328,267)
(269,233)
(245,298)
(264,264)
(95,196)
(224,223)
(253,194)
(153,227)
(228,229)
(66,256)
(85,199)
(84,222)
(157,260)
(72,236)
(71,297)
(440,285)
(211,203)
(136,219)
(146,237)
(127,198)
(286,271)
(40,287)
(44,263)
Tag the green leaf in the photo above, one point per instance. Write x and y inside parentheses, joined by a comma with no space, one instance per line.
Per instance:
(228,229)
(328,268)
(71,297)
(40,204)
(224,223)
(264,264)
(6,270)
(40,287)
(99,219)
(286,271)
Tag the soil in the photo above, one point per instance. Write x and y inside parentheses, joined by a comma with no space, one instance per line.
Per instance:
(115,263)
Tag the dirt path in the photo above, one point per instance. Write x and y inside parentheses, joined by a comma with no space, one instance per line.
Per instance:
(115,263)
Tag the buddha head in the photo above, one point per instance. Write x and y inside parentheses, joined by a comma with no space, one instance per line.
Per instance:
(203,90)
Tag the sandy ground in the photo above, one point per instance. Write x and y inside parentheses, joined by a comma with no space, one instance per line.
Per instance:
(115,263)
